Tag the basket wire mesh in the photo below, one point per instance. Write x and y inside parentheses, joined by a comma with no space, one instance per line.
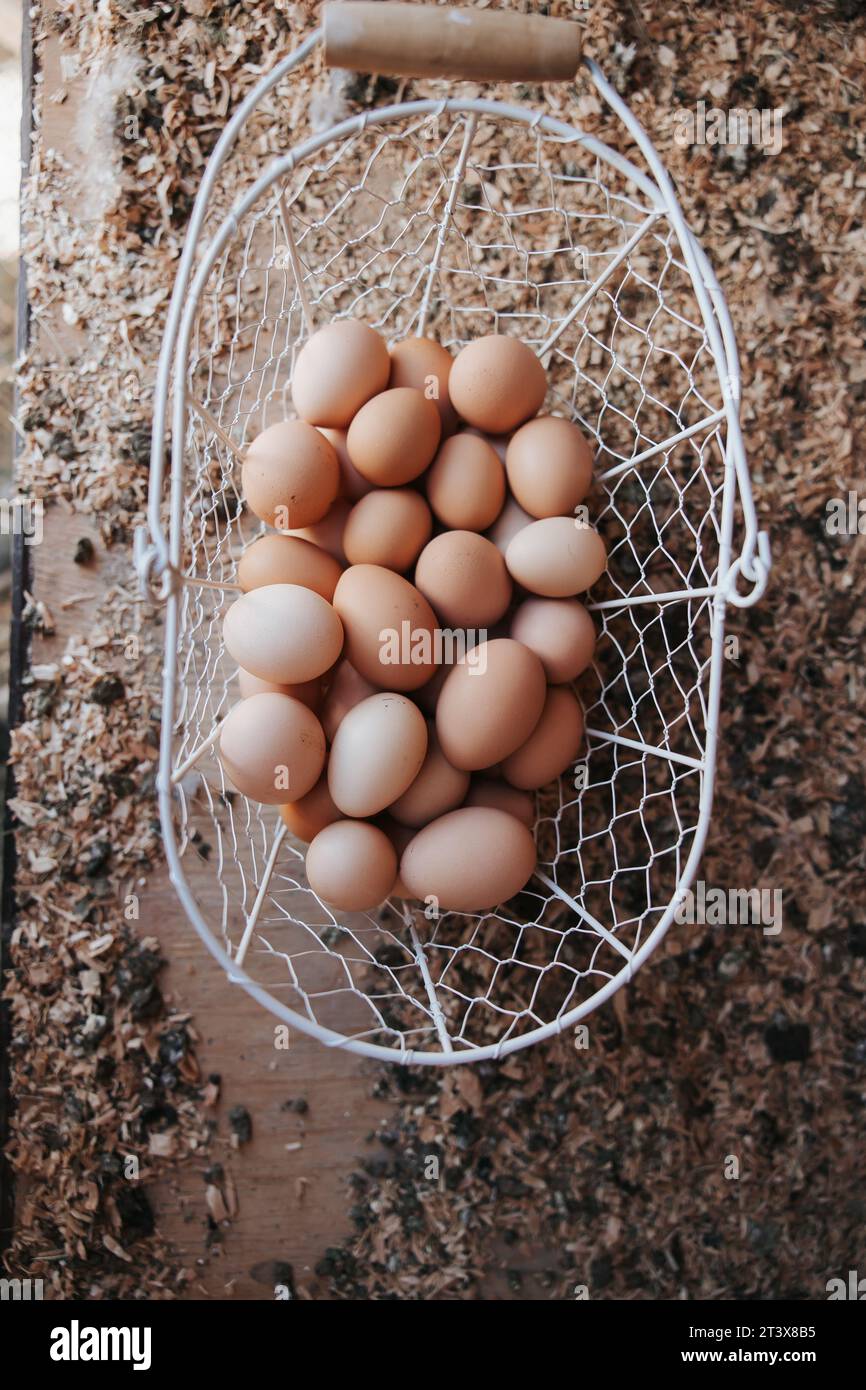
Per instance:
(458,218)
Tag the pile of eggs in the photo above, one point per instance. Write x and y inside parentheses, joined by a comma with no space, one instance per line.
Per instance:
(408,631)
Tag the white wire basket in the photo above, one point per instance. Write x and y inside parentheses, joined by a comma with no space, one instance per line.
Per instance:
(458,217)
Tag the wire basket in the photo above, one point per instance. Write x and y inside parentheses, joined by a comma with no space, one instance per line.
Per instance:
(456,218)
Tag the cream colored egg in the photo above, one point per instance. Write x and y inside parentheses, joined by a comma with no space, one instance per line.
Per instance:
(388,527)
(351,866)
(290,475)
(469,860)
(556,557)
(288,560)
(393,438)
(346,689)
(337,371)
(497,383)
(283,633)
(553,744)
(561,633)
(549,466)
(511,519)
(376,754)
(438,788)
(272,748)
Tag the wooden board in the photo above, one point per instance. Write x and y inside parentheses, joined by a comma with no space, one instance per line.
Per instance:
(291,1177)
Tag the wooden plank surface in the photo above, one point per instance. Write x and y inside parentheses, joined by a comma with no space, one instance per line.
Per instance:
(291,1177)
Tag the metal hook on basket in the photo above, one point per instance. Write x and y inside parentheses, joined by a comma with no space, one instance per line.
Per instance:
(753,567)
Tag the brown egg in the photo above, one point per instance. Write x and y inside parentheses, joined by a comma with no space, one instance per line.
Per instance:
(438,788)
(463,575)
(466,483)
(556,557)
(306,817)
(283,633)
(337,371)
(425,366)
(346,690)
(497,383)
(328,533)
(290,475)
(352,485)
(390,628)
(549,466)
(288,560)
(394,436)
(469,860)
(376,754)
(553,744)
(272,748)
(489,791)
(388,527)
(511,519)
(561,633)
(309,692)
(351,866)
(488,710)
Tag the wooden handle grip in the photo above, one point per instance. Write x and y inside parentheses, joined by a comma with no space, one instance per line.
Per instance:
(443,41)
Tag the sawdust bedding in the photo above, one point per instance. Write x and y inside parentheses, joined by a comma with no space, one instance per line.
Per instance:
(603,1169)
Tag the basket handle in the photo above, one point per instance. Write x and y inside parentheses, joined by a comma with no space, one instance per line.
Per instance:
(443,41)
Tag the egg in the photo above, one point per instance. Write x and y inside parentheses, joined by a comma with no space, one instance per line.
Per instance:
(377,753)
(497,383)
(346,690)
(393,438)
(288,560)
(556,557)
(425,366)
(351,866)
(497,442)
(549,466)
(466,483)
(272,748)
(464,577)
(399,835)
(490,791)
(511,519)
(390,628)
(388,527)
(561,633)
(553,744)
(337,371)
(327,534)
(352,485)
(488,708)
(290,475)
(309,693)
(305,817)
(469,860)
(438,788)
(283,633)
